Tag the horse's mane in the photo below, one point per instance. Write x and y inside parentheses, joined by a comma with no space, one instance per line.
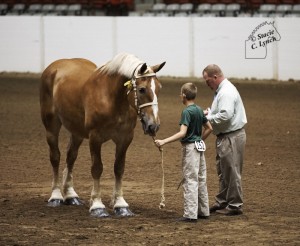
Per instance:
(123,63)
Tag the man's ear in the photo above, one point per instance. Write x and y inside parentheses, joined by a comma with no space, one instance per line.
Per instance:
(183,95)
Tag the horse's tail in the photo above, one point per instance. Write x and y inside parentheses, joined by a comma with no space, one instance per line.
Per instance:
(46,95)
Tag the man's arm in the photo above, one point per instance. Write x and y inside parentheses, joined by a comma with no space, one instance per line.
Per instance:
(225,110)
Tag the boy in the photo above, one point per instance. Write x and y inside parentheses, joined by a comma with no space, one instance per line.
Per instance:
(193,160)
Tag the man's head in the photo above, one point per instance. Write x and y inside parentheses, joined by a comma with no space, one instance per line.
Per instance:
(189,91)
(213,76)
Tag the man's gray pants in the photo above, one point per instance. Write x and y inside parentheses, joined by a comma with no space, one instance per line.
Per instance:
(230,155)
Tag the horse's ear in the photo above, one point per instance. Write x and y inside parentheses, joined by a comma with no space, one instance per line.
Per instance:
(143,69)
(156,68)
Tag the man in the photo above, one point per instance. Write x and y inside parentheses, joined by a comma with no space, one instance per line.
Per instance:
(228,118)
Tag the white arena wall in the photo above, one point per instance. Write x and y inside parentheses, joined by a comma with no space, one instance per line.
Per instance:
(187,44)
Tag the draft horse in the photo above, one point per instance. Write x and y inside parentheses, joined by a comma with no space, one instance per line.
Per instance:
(98,104)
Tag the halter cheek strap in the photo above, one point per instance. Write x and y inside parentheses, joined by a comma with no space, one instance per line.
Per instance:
(131,84)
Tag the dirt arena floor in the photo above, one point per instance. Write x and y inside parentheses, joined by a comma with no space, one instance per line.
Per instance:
(271,176)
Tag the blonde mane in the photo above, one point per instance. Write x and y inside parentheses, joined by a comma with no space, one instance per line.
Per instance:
(123,63)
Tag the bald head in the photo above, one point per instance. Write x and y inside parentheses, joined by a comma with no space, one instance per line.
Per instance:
(213,69)
(213,76)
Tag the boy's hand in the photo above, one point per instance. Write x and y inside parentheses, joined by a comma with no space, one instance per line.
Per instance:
(159,143)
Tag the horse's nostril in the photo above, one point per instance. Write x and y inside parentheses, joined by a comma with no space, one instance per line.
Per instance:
(153,128)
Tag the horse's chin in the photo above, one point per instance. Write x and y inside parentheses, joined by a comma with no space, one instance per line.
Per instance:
(146,132)
(149,132)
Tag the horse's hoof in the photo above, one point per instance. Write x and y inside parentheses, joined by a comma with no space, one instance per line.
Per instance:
(100,213)
(73,201)
(123,212)
(55,203)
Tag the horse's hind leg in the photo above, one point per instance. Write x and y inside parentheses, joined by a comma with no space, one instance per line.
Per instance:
(53,125)
(70,196)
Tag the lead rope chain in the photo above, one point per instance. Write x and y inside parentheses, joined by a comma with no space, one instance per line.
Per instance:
(162,190)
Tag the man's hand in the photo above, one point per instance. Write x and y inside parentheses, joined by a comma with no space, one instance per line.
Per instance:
(206,111)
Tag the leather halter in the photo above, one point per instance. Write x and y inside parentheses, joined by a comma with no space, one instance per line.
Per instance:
(132,83)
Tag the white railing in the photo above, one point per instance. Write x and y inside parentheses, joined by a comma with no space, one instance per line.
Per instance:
(187,44)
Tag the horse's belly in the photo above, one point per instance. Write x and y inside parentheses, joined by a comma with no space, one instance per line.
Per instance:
(70,110)
(75,125)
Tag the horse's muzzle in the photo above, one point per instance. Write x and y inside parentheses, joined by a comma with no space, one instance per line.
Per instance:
(149,127)
(152,130)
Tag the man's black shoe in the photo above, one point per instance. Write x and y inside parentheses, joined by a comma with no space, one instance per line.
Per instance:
(230,211)
(188,220)
(216,206)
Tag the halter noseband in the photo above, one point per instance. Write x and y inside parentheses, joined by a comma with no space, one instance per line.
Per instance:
(131,84)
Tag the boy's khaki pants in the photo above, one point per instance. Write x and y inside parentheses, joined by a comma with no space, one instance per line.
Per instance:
(194,185)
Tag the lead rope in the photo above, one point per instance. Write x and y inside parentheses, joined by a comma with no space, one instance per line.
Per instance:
(162,190)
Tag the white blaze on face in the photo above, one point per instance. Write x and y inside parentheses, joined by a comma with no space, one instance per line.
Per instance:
(155,103)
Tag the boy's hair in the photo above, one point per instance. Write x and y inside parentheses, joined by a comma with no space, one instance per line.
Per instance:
(189,90)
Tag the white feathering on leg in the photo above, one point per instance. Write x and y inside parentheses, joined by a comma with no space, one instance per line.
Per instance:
(120,203)
(96,203)
(56,195)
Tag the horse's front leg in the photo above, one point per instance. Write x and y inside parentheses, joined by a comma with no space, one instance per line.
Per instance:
(97,208)
(121,207)
(70,196)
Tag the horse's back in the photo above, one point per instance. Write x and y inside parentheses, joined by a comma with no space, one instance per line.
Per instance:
(61,86)
(69,68)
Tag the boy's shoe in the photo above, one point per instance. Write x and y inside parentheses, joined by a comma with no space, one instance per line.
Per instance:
(183,219)
(203,217)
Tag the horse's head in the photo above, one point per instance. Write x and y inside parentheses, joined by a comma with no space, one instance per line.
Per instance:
(145,88)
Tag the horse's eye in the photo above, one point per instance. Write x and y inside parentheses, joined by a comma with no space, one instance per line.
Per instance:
(142,90)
